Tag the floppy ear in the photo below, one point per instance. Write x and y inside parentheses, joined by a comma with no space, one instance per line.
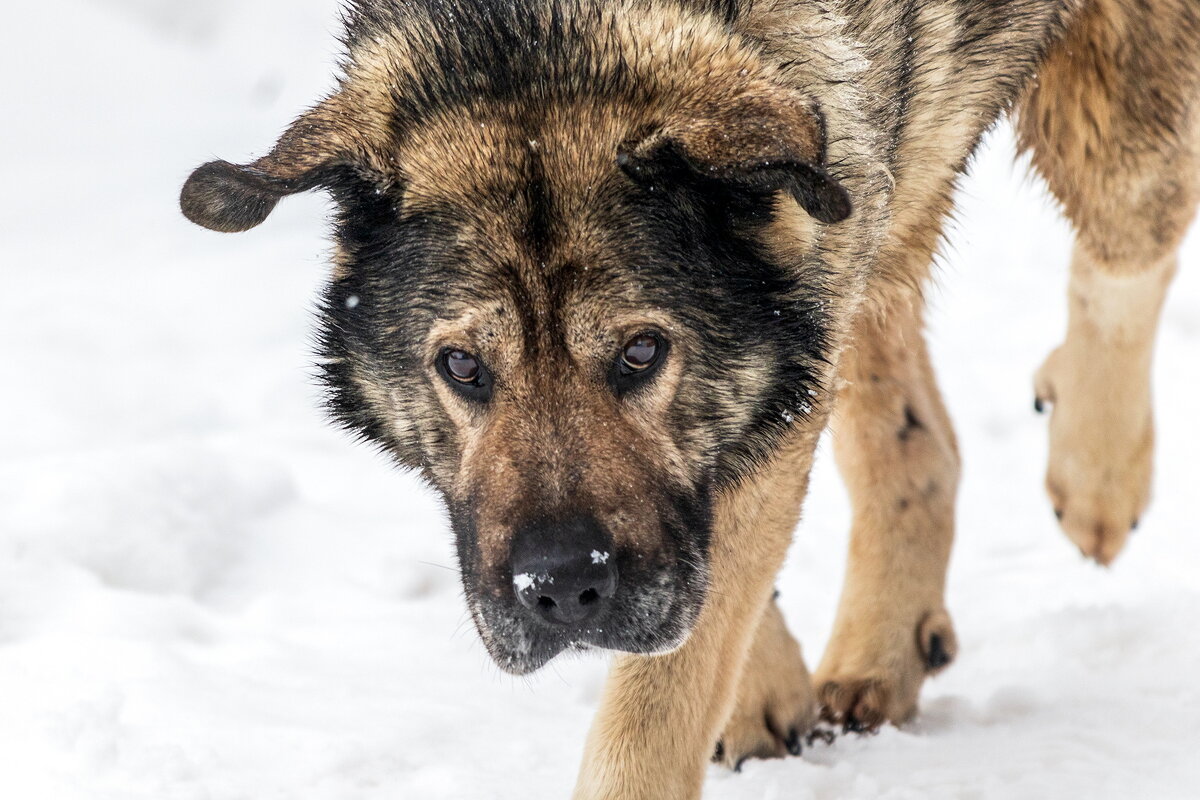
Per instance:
(231,198)
(769,141)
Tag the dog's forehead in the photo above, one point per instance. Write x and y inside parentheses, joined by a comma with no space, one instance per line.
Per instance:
(539,209)
(489,160)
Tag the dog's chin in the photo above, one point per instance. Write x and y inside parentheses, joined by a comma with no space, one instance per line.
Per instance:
(520,646)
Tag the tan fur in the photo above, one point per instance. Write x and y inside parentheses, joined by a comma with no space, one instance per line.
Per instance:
(776,704)
(1102,428)
(898,456)
(660,715)
(1113,124)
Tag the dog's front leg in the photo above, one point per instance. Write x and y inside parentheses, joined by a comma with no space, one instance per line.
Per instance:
(898,455)
(660,715)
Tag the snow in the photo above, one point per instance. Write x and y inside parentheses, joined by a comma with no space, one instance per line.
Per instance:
(206,593)
(528,580)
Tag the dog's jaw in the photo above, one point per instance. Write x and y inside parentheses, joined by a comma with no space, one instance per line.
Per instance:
(654,619)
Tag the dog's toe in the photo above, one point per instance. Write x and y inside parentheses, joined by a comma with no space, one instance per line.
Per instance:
(769,736)
(858,706)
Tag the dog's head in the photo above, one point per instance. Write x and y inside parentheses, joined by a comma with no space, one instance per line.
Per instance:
(579,285)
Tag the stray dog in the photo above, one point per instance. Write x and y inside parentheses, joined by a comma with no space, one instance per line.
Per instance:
(605,269)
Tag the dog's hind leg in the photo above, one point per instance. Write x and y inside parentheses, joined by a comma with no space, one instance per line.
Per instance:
(661,714)
(898,456)
(1113,123)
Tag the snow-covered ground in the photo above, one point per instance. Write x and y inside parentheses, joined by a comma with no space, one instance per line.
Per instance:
(208,594)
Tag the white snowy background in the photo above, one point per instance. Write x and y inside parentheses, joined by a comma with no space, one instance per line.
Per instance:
(206,593)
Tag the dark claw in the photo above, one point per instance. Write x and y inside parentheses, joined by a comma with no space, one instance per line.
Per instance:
(1058,514)
(937,657)
(825,736)
(719,751)
(1135,524)
(1038,405)
(738,766)
(862,727)
(793,743)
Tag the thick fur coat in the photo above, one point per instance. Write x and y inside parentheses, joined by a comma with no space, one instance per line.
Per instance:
(605,269)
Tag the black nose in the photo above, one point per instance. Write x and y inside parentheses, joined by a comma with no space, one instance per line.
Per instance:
(564,571)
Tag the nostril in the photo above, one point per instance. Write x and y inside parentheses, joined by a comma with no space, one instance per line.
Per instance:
(546,602)
(588,596)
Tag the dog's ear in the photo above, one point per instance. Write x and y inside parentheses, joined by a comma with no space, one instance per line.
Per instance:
(231,197)
(767,141)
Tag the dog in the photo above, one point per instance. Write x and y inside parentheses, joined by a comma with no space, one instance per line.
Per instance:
(604,270)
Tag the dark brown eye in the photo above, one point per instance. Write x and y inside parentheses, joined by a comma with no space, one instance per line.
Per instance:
(466,374)
(640,352)
(462,366)
(638,363)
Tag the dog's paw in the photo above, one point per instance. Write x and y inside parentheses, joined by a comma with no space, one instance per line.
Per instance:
(867,680)
(776,705)
(1101,448)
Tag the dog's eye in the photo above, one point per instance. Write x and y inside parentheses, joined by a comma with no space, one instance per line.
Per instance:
(640,352)
(465,373)
(639,360)
(463,367)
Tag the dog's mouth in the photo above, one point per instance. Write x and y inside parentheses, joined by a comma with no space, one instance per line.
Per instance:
(653,611)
